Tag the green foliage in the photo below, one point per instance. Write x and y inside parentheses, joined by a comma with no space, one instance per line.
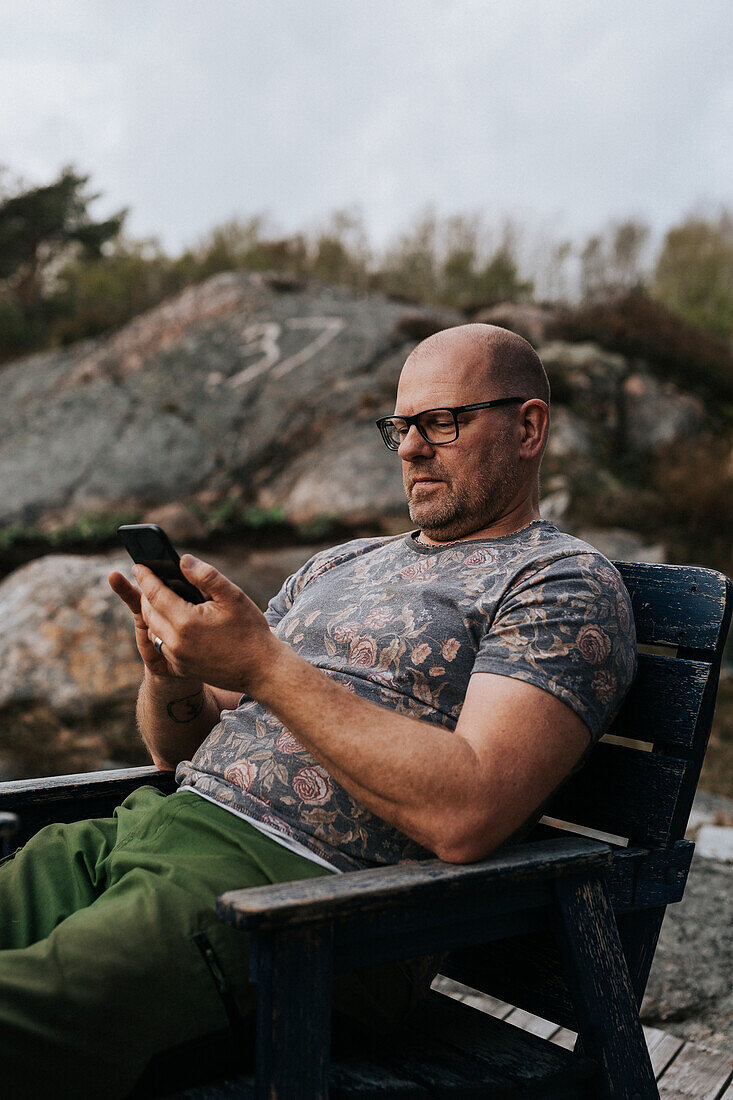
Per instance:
(98,294)
(694,272)
(448,262)
(612,262)
(18,334)
(65,277)
(319,527)
(92,528)
(637,326)
(340,253)
(12,534)
(230,516)
(263,517)
(410,269)
(39,228)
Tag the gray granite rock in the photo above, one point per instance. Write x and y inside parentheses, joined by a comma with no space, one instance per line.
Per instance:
(222,388)
(268,390)
(71,670)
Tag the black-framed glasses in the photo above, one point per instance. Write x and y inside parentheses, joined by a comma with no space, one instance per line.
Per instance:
(436,426)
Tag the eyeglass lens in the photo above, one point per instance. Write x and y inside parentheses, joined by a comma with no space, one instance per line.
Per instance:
(437,426)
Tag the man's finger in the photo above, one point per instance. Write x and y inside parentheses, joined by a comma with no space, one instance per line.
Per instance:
(126,591)
(208,580)
(157,594)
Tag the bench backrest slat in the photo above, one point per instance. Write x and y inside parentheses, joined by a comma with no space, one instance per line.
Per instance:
(623,791)
(663,705)
(676,605)
(647,796)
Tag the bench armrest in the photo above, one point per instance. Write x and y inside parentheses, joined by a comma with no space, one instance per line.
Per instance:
(118,782)
(362,894)
(40,802)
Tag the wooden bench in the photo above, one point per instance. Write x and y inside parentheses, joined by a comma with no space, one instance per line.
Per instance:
(562,925)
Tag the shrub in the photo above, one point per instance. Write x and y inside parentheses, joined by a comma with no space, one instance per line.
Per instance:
(637,326)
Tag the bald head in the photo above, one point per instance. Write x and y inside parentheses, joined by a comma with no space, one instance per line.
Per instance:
(485,479)
(486,355)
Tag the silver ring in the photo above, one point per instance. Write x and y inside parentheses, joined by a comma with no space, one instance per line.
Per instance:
(158,644)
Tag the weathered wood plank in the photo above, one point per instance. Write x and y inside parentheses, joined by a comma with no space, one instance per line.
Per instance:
(440,926)
(676,605)
(535,1025)
(441,1069)
(235,1088)
(368,1081)
(481,1001)
(18,793)
(515,1056)
(564,1038)
(662,1048)
(603,997)
(9,824)
(650,782)
(661,875)
(294,976)
(696,1072)
(389,888)
(40,802)
(664,702)
(524,971)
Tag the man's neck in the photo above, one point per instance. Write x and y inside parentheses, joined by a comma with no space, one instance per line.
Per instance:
(512,521)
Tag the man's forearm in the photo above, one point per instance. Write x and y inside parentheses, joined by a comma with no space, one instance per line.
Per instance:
(174,717)
(413,773)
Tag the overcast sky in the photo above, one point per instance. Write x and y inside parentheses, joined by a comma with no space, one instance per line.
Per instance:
(563,113)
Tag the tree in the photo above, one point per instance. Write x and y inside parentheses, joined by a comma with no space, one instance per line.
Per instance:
(340,253)
(38,226)
(611,263)
(409,269)
(694,272)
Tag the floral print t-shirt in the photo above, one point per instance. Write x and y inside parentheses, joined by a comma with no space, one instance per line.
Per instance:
(406,626)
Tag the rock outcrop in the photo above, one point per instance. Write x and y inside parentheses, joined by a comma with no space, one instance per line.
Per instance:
(225,386)
(250,386)
(71,670)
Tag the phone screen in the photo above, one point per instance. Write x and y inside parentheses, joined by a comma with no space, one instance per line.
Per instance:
(148,544)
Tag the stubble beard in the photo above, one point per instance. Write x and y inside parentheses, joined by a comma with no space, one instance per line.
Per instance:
(460,510)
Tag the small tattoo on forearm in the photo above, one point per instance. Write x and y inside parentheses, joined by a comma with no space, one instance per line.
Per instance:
(186,709)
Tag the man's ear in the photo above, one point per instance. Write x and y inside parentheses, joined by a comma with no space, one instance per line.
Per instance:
(535,420)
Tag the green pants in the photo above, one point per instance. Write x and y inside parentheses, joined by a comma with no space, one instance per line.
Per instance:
(111,951)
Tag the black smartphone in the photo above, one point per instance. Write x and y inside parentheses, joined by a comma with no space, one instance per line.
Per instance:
(148,544)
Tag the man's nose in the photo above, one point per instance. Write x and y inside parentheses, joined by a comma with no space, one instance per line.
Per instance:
(413,444)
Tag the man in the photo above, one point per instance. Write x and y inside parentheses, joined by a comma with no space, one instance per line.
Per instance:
(402,697)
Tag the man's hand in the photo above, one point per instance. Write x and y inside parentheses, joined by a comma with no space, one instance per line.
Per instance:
(154,662)
(175,708)
(225,642)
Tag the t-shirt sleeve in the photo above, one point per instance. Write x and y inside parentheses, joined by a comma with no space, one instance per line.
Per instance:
(283,600)
(567,628)
(281,603)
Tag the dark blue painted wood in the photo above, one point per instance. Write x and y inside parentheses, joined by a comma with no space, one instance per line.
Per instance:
(664,702)
(602,993)
(623,791)
(358,894)
(293,972)
(677,605)
(40,802)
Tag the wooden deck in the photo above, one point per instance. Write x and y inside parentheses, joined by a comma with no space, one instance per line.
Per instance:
(682,1069)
